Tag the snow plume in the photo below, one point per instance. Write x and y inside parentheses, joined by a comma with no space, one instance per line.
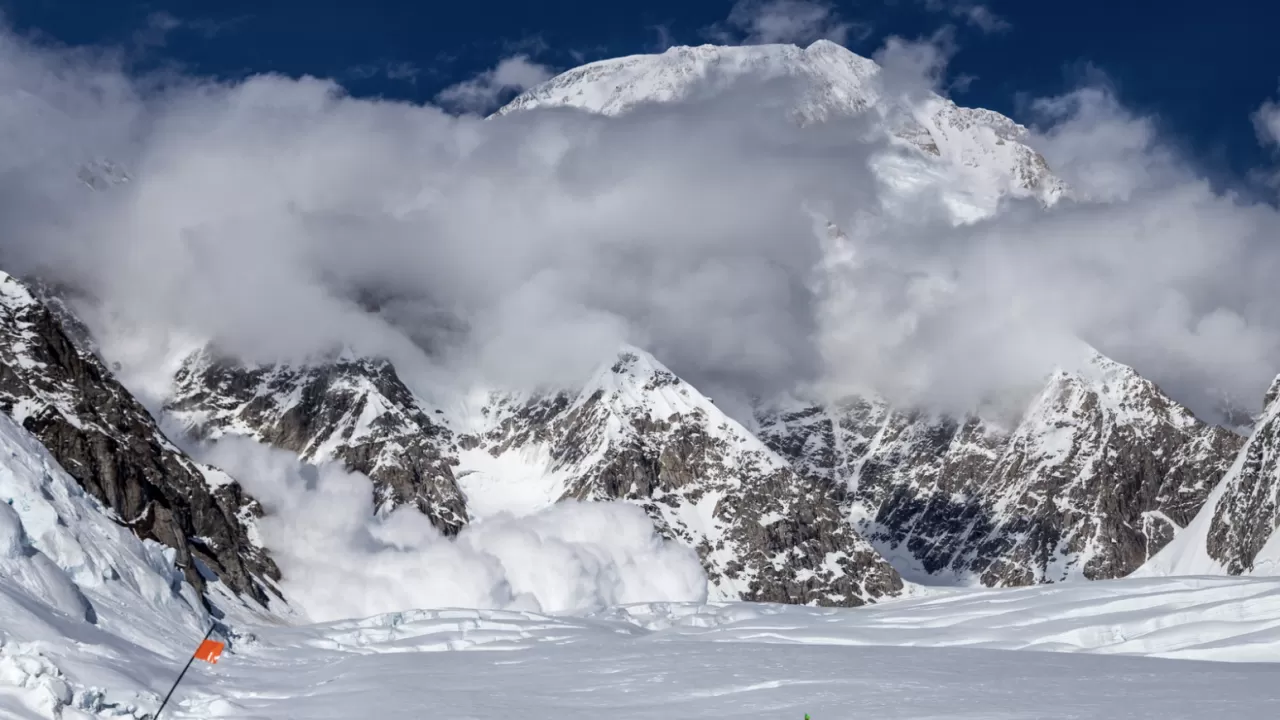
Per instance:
(482,93)
(279,217)
(341,560)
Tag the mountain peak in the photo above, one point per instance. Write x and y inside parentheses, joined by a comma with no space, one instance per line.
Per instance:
(831,74)
(637,433)
(1095,378)
(981,152)
(825,45)
(634,366)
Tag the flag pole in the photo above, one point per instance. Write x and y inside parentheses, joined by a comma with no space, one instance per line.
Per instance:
(181,674)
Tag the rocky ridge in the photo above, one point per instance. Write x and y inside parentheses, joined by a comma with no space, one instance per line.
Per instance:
(351,410)
(637,433)
(1100,474)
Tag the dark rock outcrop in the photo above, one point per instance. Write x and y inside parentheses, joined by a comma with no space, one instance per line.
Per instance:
(111,445)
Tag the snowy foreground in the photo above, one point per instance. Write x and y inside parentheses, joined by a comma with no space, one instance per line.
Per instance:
(96,624)
(965,654)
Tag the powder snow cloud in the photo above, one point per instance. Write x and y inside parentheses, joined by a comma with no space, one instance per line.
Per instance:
(280,217)
(339,559)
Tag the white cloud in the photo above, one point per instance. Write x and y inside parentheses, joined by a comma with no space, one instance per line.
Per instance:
(981,17)
(800,22)
(664,38)
(1266,121)
(156,31)
(391,70)
(340,560)
(975,14)
(911,69)
(483,92)
(524,248)
(161,25)
(1100,148)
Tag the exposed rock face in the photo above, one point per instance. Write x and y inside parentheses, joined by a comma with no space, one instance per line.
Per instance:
(1248,512)
(356,411)
(638,433)
(1100,474)
(913,479)
(113,448)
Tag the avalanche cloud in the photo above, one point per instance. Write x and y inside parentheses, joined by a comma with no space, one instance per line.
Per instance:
(272,214)
(340,559)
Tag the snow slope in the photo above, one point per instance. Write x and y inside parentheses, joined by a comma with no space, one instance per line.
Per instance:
(969,654)
(84,604)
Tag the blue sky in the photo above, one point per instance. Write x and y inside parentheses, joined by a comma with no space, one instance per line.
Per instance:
(1200,68)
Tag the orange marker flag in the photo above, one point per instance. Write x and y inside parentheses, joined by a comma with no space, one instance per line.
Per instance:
(209,651)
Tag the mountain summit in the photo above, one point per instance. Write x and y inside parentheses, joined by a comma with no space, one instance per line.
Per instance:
(987,151)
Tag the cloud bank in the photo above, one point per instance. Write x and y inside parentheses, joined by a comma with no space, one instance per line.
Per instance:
(339,560)
(282,218)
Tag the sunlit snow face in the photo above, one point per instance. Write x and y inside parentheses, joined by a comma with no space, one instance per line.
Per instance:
(524,248)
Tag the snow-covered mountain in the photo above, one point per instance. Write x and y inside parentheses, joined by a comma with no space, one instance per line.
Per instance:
(57,541)
(634,433)
(984,152)
(105,439)
(1102,471)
